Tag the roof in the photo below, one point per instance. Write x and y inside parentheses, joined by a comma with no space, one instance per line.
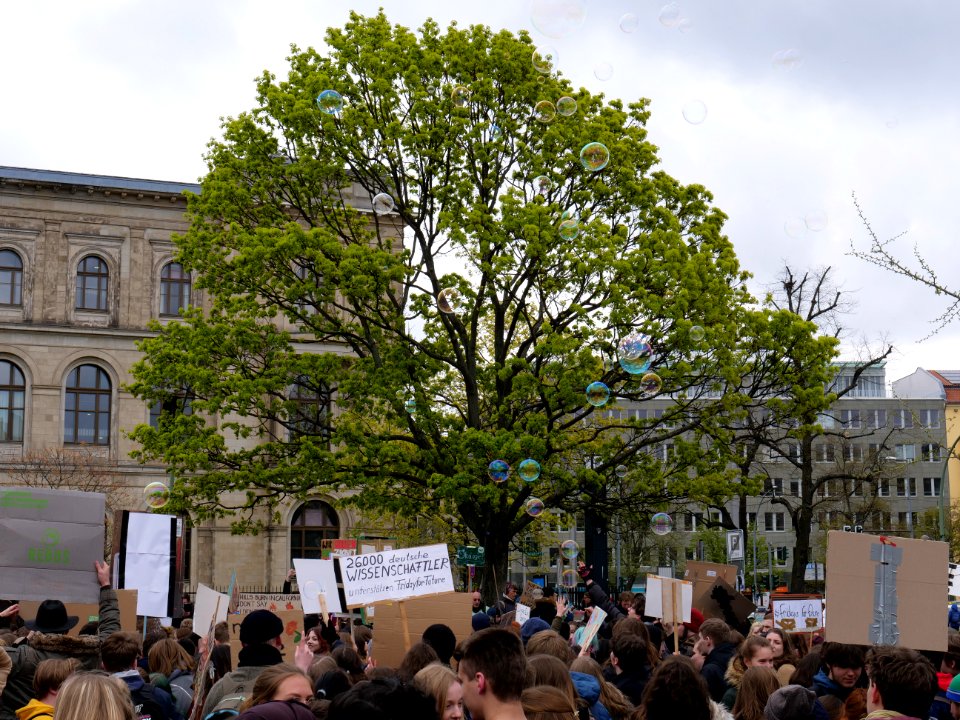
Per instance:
(951,383)
(57,177)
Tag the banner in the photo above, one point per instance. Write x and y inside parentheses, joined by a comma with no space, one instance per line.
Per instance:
(147,561)
(798,615)
(51,540)
(395,574)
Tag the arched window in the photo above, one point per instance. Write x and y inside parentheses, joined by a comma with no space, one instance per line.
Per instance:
(312,522)
(174,289)
(12,392)
(86,418)
(11,278)
(93,278)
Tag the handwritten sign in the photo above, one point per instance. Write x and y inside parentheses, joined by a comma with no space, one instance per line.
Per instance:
(597,616)
(267,601)
(523,614)
(395,574)
(798,615)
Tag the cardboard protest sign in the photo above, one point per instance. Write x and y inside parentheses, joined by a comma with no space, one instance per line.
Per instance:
(147,561)
(209,608)
(531,593)
(703,575)
(126,599)
(51,540)
(292,633)
(669,599)
(268,601)
(395,574)
(450,609)
(317,580)
(722,600)
(338,548)
(886,591)
(798,615)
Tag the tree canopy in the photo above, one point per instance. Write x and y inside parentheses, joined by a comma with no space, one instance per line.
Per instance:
(438,233)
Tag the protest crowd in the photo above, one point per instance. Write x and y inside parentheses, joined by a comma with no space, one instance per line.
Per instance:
(554,665)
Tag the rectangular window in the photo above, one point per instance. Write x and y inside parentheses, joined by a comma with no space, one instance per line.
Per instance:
(905,453)
(793,451)
(774,522)
(795,488)
(876,419)
(824,453)
(906,487)
(752,519)
(773,484)
(826,421)
(931,487)
(929,418)
(853,453)
(782,554)
(883,487)
(902,419)
(907,520)
(850,419)
(931,452)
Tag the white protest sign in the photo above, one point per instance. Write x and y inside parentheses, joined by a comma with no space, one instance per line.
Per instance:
(395,574)
(522,614)
(597,616)
(317,578)
(660,594)
(209,608)
(147,560)
(798,615)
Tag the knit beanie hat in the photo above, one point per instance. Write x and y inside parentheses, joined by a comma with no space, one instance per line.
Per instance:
(531,627)
(792,702)
(953,692)
(260,626)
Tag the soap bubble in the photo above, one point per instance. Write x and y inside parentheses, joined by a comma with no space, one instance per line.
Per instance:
(566,106)
(621,471)
(815,221)
(669,15)
(498,470)
(629,23)
(569,549)
(533,506)
(495,132)
(635,353)
(568,579)
(568,214)
(528,470)
(460,96)
(569,229)
(661,524)
(697,333)
(330,102)
(382,204)
(695,112)
(795,228)
(410,405)
(448,300)
(650,384)
(542,184)
(598,394)
(156,494)
(544,111)
(594,156)
(603,71)
(685,25)
(787,60)
(558,18)
(544,59)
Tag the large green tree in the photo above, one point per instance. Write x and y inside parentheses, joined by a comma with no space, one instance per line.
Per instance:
(325,235)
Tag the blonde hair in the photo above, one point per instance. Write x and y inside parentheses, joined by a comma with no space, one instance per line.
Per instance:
(94,694)
(435,681)
(168,655)
(545,702)
(268,683)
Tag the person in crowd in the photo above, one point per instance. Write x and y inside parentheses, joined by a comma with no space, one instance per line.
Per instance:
(639,628)
(5,665)
(52,624)
(168,659)
(349,661)
(766,625)
(756,686)
(93,694)
(383,699)
(477,605)
(416,659)
(480,621)
(902,683)
(47,680)
(492,672)
(506,604)
(315,643)
(949,666)
(597,595)
(807,669)
(755,628)
(260,635)
(677,690)
(840,671)
(547,642)
(443,641)
(784,661)
(630,659)
(362,635)
(855,706)
(614,702)
(953,697)
(953,617)
(547,670)
(718,651)
(794,702)
(544,702)
(280,683)
(119,654)
(834,706)
(799,645)
(442,684)
(755,651)
(332,683)
(531,627)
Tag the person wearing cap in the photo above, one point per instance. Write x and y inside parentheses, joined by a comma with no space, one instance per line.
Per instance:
(794,702)
(953,697)
(941,709)
(260,635)
(49,639)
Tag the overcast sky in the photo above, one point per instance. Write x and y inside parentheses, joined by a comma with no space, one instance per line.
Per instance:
(865,102)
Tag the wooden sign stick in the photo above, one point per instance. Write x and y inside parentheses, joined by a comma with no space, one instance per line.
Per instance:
(674,587)
(406,625)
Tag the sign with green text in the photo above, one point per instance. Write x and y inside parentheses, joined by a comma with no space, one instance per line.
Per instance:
(51,540)
(470,555)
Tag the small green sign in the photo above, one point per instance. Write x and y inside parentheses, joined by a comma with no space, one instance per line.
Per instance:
(470,555)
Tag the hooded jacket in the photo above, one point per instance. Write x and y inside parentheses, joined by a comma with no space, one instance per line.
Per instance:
(823,685)
(715,668)
(588,688)
(733,676)
(35,710)
(149,702)
(25,656)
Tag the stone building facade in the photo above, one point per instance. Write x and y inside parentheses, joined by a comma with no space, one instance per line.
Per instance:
(86,262)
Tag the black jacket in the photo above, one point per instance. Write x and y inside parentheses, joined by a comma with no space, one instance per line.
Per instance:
(715,667)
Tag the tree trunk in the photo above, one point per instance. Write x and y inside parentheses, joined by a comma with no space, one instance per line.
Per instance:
(802,521)
(493,578)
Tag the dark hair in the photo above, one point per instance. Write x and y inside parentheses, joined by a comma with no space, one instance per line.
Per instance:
(50,674)
(676,690)
(221,660)
(841,655)
(120,651)
(442,640)
(631,651)
(639,603)
(799,645)
(787,657)
(382,699)
(416,659)
(808,666)
(756,685)
(221,632)
(548,642)
(498,654)
(906,680)
(636,626)
(349,661)
(715,629)
(316,632)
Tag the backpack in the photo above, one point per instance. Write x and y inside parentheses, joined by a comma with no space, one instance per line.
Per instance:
(228,707)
